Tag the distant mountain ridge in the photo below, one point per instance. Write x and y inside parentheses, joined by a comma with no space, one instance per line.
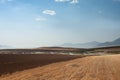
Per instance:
(93,44)
(113,43)
(81,45)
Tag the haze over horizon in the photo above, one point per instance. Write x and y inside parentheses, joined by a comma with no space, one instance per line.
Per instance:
(35,23)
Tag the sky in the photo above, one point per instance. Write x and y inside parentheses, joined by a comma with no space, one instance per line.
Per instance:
(36,23)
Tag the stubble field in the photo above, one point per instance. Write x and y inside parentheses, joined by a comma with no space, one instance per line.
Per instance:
(106,67)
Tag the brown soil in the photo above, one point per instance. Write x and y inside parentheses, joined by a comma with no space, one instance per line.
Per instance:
(87,68)
(10,63)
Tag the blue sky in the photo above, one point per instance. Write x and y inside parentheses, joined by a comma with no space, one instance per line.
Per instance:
(34,23)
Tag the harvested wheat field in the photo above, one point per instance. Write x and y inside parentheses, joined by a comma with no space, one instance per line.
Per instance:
(106,67)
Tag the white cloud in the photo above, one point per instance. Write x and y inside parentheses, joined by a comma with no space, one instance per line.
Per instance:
(74,1)
(61,0)
(40,19)
(71,1)
(49,12)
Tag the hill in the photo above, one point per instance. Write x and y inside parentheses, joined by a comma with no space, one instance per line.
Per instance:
(112,43)
(93,44)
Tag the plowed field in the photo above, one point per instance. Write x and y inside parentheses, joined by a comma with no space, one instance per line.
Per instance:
(105,67)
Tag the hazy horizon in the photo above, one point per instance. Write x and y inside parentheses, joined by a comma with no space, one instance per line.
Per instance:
(36,23)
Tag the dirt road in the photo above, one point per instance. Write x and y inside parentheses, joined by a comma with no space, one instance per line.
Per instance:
(88,68)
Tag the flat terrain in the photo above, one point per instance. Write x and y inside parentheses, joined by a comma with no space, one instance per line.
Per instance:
(105,67)
(10,63)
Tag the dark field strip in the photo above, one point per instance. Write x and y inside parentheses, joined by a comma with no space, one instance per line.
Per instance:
(10,63)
